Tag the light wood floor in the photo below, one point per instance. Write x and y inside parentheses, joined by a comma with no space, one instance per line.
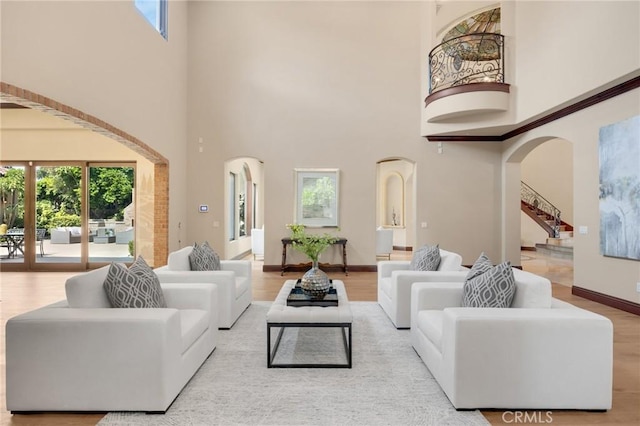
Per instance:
(21,292)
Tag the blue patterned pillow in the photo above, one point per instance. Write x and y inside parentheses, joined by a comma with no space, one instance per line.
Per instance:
(204,258)
(493,289)
(136,287)
(426,258)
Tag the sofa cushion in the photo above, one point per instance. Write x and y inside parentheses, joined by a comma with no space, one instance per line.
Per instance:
(204,258)
(492,289)
(426,258)
(193,322)
(137,287)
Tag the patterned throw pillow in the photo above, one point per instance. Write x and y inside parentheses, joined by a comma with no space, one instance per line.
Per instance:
(136,287)
(426,258)
(204,258)
(481,265)
(493,289)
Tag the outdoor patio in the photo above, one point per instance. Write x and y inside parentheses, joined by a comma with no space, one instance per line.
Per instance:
(70,253)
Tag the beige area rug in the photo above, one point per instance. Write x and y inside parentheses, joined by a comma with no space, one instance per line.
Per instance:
(388,384)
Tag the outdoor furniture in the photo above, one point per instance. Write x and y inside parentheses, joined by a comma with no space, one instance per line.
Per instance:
(104,236)
(14,242)
(40,233)
(68,235)
(123,237)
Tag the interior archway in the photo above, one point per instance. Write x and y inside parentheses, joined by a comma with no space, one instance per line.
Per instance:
(160,191)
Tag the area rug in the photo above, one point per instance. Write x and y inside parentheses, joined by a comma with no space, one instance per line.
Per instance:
(388,384)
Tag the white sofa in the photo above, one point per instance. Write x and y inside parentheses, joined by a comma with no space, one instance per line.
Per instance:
(542,353)
(233,281)
(82,355)
(66,235)
(395,280)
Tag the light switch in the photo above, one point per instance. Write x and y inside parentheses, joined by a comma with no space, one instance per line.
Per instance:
(583,230)
(423,224)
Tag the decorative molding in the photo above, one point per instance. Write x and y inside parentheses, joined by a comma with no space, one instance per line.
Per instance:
(605,299)
(612,92)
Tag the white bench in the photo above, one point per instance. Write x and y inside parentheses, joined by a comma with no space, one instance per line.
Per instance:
(282,316)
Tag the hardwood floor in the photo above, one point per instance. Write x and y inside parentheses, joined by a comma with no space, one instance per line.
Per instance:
(20,292)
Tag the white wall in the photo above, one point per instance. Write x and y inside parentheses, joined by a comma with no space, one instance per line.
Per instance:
(104,59)
(328,85)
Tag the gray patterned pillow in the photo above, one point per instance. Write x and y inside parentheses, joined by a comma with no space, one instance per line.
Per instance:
(481,265)
(426,258)
(136,287)
(493,289)
(204,258)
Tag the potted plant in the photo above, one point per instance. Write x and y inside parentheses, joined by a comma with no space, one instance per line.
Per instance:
(314,282)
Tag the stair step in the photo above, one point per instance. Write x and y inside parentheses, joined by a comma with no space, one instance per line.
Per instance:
(560,242)
(555,251)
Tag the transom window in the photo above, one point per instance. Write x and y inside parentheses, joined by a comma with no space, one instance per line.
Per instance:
(154,11)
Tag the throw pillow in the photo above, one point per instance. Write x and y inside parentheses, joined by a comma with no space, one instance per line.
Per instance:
(136,287)
(492,289)
(204,258)
(426,258)
(481,265)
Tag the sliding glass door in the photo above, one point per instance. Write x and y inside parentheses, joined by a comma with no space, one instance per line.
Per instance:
(66,216)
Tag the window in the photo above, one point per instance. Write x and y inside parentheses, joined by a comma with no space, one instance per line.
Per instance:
(232,207)
(154,11)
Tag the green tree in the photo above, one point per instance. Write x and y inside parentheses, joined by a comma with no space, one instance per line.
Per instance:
(12,196)
(61,187)
(110,191)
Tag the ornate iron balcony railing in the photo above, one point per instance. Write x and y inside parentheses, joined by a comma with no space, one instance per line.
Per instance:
(467,59)
(542,206)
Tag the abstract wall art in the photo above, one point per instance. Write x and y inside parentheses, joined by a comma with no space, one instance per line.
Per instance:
(619,154)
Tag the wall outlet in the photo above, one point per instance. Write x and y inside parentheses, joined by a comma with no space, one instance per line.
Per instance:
(423,224)
(638,287)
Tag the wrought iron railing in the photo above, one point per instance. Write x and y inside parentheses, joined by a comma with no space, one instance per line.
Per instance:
(542,206)
(467,59)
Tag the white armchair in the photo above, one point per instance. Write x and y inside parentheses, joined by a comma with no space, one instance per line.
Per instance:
(82,355)
(541,353)
(233,282)
(384,242)
(395,280)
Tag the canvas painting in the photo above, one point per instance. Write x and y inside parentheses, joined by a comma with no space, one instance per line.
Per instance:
(619,152)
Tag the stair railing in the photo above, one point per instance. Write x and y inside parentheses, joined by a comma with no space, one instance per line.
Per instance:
(541,205)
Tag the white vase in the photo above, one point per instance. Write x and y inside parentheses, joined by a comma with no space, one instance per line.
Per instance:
(315,283)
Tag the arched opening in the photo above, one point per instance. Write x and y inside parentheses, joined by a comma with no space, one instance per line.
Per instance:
(395,200)
(538,179)
(151,187)
(243,204)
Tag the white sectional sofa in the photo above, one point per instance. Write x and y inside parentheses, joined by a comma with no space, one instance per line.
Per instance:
(233,281)
(542,353)
(82,355)
(395,280)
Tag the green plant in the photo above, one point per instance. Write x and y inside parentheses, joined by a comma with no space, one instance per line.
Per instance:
(310,244)
(131,248)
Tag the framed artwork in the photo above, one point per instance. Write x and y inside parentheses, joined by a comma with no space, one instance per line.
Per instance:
(317,197)
(619,154)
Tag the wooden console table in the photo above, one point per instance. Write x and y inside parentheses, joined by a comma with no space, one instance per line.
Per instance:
(305,266)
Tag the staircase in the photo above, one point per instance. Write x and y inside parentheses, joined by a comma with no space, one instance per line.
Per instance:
(547,216)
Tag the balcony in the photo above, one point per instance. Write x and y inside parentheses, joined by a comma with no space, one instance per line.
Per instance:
(466,77)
